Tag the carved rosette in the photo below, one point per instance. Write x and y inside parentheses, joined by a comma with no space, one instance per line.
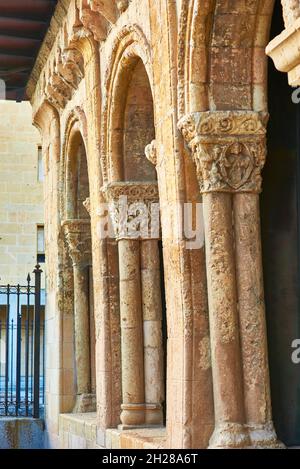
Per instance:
(228,148)
(78,239)
(133,209)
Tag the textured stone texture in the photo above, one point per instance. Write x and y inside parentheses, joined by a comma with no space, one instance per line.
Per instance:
(130,76)
(21,433)
(21,194)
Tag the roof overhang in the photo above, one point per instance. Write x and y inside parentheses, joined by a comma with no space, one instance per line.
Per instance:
(23,26)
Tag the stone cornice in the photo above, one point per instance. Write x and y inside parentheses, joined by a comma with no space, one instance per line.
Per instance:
(71,22)
(55,25)
(228,149)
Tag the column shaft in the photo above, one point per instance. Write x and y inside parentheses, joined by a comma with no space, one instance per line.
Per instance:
(82,329)
(152,320)
(133,407)
(252,319)
(225,347)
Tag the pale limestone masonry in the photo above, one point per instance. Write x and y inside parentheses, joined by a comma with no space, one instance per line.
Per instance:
(21,194)
(190,77)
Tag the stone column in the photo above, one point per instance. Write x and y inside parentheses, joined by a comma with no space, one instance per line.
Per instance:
(229,150)
(152,321)
(129,203)
(78,238)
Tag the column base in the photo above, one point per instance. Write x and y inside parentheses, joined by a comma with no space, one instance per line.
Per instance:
(154,414)
(85,403)
(132,415)
(264,437)
(230,436)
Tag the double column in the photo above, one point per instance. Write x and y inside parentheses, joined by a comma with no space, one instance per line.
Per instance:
(229,151)
(78,238)
(140,303)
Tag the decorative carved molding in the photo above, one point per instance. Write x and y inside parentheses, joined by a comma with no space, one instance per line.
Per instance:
(78,238)
(151,152)
(106,8)
(130,208)
(228,148)
(94,22)
(87,205)
(146,192)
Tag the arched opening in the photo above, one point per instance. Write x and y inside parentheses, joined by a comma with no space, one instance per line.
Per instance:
(142,303)
(77,232)
(280,237)
(138,127)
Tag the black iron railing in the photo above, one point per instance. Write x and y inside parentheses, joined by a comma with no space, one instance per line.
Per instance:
(22,349)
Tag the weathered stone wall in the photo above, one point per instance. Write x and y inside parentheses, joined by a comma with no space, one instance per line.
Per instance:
(21,194)
(21,433)
(205,64)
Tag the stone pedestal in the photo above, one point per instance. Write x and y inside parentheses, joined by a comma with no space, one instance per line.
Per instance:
(78,238)
(229,150)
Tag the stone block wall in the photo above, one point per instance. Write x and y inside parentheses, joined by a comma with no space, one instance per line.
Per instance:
(21,194)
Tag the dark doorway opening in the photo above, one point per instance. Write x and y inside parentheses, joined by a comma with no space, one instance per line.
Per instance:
(280,237)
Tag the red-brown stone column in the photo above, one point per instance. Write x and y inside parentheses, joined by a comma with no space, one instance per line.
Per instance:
(78,238)
(134,303)
(133,391)
(252,321)
(223,317)
(152,323)
(229,150)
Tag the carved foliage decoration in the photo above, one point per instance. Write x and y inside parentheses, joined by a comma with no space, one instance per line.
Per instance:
(228,148)
(78,239)
(131,208)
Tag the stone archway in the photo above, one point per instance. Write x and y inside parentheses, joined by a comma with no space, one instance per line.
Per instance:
(130,174)
(76,227)
(223,94)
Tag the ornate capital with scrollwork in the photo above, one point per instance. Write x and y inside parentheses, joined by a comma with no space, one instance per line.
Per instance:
(78,238)
(133,208)
(228,148)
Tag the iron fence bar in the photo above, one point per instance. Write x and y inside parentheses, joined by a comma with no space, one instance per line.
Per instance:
(37,338)
(43,328)
(18,355)
(11,361)
(27,346)
(7,350)
(31,361)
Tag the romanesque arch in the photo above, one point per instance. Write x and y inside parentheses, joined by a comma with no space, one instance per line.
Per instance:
(223,103)
(76,227)
(130,128)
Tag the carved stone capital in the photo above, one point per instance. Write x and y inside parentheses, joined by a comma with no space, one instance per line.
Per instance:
(228,148)
(134,209)
(78,238)
(151,152)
